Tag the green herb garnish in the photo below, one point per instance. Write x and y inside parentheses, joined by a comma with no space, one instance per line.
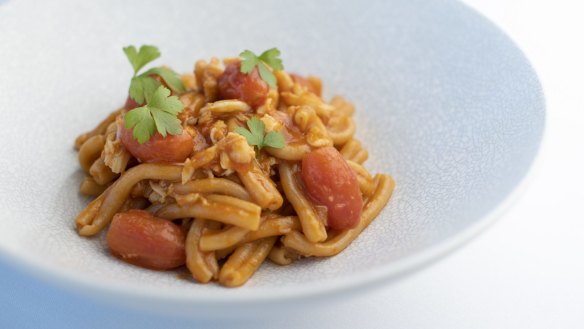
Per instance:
(269,58)
(143,85)
(256,135)
(159,114)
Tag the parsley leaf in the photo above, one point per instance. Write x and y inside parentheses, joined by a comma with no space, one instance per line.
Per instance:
(140,58)
(140,87)
(170,77)
(141,120)
(143,85)
(267,75)
(255,135)
(162,100)
(268,59)
(159,114)
(274,139)
(250,60)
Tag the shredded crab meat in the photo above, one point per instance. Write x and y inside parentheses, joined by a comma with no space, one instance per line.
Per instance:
(218,131)
(306,118)
(158,191)
(206,75)
(266,164)
(238,149)
(115,156)
(271,123)
(231,153)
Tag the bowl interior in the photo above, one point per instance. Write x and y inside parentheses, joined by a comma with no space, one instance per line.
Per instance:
(446,104)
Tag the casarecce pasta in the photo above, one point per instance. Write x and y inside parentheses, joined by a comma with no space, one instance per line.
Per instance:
(254,170)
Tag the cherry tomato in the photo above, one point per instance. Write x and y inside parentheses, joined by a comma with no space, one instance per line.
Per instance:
(249,88)
(130,104)
(329,180)
(303,82)
(139,238)
(172,148)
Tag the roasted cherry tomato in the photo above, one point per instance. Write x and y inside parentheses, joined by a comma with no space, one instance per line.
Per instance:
(172,148)
(139,238)
(329,181)
(249,88)
(130,104)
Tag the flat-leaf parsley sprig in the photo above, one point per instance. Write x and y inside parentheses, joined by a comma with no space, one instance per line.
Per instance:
(269,58)
(144,84)
(159,114)
(256,135)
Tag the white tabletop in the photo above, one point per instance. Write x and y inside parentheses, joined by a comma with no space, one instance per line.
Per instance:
(526,271)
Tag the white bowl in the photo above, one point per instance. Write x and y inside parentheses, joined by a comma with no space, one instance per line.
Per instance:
(446,104)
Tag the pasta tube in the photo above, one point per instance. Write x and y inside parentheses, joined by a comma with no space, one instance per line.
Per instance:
(203,265)
(312,226)
(243,263)
(222,208)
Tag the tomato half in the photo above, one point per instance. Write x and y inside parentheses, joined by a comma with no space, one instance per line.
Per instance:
(249,88)
(329,181)
(172,148)
(139,238)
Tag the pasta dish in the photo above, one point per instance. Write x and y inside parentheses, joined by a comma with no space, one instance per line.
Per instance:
(224,168)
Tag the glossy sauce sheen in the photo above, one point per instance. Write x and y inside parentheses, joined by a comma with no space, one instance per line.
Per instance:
(141,239)
(249,88)
(329,180)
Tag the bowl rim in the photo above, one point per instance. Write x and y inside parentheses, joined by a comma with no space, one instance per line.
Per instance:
(135,294)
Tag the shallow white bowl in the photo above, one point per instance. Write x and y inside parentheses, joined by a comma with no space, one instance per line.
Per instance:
(446,104)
